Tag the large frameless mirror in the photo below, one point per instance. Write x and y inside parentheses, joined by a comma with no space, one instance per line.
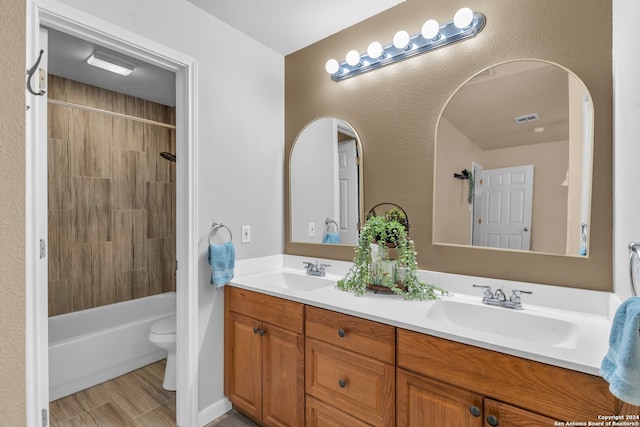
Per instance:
(513,161)
(325,184)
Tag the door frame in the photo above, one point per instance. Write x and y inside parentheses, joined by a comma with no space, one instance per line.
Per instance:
(79,24)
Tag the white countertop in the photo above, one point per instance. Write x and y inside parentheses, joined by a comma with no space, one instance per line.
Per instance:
(589,311)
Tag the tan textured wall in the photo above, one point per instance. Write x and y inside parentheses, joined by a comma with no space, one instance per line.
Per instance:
(111,199)
(12,213)
(395,111)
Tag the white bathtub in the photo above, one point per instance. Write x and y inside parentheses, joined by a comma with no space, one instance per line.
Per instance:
(92,346)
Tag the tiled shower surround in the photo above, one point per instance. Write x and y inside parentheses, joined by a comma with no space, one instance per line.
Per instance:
(111,197)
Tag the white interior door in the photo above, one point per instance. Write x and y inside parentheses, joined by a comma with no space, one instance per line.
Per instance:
(505,207)
(348,190)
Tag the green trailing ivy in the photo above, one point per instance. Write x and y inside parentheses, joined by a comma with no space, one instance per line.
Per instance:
(387,232)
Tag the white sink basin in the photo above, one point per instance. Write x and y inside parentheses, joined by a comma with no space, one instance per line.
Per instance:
(290,280)
(505,322)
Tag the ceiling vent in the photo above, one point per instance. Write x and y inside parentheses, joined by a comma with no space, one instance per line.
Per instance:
(526,118)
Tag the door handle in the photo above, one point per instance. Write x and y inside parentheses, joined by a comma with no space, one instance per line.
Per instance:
(525,229)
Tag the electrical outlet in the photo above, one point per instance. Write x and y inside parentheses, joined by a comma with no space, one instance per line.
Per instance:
(246,234)
(312,229)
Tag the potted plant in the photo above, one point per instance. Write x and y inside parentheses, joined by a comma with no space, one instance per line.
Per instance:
(373,269)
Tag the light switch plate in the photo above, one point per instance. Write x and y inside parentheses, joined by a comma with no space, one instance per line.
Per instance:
(246,234)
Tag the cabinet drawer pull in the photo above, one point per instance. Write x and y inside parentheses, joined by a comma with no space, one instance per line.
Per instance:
(341,333)
(342,383)
(492,420)
(475,411)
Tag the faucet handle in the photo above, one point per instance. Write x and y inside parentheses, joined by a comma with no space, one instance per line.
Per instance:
(515,297)
(487,293)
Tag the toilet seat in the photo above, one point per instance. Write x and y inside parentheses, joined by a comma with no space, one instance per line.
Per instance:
(164,326)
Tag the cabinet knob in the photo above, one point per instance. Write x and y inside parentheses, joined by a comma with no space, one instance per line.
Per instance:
(342,383)
(255,330)
(475,411)
(492,420)
(341,333)
(262,332)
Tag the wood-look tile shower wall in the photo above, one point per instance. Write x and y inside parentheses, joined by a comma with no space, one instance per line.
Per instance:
(111,198)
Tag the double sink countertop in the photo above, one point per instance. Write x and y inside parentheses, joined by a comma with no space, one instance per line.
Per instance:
(559,326)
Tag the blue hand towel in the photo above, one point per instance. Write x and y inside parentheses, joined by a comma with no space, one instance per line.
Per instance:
(621,365)
(331,238)
(222,259)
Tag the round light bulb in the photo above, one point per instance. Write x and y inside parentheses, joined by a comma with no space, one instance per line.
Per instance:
(374,50)
(353,57)
(332,66)
(401,39)
(430,29)
(463,18)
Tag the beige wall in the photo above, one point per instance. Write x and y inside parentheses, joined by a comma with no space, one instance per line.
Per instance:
(111,198)
(395,111)
(12,213)
(453,216)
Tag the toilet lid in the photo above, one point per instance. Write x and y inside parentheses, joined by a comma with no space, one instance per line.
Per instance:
(164,326)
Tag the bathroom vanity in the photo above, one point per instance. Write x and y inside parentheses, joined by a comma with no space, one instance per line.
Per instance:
(291,358)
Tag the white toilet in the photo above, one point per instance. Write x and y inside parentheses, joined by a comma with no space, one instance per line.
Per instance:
(163,334)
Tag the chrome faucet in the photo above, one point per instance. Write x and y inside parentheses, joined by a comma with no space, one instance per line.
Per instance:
(313,269)
(499,298)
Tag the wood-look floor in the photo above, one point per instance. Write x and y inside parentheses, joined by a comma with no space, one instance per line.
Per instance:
(136,399)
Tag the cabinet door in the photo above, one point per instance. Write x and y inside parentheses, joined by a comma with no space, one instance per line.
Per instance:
(500,414)
(244,382)
(426,403)
(283,373)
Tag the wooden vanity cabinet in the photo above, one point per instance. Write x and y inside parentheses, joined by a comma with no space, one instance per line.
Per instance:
(349,370)
(264,357)
(441,381)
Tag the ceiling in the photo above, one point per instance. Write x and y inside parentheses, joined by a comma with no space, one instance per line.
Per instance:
(291,25)
(483,109)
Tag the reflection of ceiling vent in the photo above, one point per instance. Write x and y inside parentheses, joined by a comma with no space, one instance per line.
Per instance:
(526,118)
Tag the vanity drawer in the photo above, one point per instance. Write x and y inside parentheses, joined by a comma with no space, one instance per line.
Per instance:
(362,336)
(276,311)
(322,415)
(355,384)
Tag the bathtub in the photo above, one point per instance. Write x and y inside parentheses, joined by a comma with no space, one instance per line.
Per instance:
(92,346)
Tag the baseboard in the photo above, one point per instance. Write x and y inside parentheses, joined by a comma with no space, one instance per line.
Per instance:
(214,411)
(78,384)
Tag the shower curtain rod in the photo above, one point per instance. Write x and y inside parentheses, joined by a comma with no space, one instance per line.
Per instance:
(110,113)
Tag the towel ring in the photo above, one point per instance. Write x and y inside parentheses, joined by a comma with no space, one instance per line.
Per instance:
(634,248)
(328,222)
(214,229)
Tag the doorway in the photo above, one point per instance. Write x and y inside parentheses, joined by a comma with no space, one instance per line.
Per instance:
(87,27)
(503,207)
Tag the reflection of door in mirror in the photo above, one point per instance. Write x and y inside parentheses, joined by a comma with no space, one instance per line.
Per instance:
(514,114)
(324,184)
(502,208)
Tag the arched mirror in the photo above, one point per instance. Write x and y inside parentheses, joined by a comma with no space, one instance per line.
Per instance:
(513,161)
(325,184)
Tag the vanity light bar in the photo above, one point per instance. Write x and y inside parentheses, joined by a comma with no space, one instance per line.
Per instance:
(465,24)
